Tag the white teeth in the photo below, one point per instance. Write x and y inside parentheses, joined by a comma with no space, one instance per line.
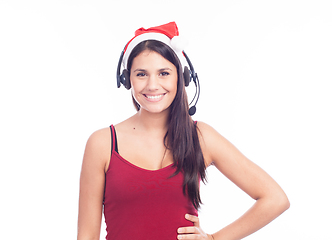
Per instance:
(154,97)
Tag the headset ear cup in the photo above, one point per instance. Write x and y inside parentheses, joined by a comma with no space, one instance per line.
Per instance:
(186,76)
(125,79)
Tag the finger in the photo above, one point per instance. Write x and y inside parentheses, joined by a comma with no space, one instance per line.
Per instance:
(184,230)
(193,219)
(189,236)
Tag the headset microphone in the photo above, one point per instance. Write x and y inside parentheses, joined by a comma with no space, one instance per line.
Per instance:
(192,110)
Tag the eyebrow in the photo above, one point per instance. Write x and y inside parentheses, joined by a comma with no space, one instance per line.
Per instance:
(140,70)
(143,70)
(163,69)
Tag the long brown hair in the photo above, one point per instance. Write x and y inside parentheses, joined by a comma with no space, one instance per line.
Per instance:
(181,137)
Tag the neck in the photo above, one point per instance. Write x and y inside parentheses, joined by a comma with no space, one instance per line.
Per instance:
(152,122)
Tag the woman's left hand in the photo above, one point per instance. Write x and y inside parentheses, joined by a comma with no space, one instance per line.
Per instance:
(193,232)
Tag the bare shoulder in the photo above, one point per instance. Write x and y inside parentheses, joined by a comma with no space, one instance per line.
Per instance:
(205,129)
(216,148)
(209,139)
(100,137)
(98,148)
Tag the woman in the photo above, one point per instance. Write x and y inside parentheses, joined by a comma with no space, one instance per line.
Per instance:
(145,171)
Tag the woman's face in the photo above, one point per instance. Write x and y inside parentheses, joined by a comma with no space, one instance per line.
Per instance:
(154,81)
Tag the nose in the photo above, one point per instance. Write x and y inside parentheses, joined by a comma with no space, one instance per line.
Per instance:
(153,83)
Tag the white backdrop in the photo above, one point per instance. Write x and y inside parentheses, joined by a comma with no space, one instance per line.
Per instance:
(265,73)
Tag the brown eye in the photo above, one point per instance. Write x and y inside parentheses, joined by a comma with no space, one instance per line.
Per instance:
(140,74)
(164,74)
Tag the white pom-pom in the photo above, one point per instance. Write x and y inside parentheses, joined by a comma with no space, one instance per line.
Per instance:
(178,43)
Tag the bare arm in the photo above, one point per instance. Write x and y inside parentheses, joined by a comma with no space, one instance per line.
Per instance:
(271,200)
(92,181)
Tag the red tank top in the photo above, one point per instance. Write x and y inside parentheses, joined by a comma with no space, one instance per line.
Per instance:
(143,204)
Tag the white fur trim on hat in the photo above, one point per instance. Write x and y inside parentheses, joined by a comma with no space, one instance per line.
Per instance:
(177,45)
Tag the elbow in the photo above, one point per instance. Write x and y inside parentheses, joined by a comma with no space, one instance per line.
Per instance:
(281,202)
(277,202)
(285,203)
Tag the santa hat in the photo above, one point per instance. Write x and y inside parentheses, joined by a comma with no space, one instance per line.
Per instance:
(167,33)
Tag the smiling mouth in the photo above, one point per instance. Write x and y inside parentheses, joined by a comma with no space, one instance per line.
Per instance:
(154,97)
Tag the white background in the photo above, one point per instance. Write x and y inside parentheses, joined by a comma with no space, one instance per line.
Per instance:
(265,73)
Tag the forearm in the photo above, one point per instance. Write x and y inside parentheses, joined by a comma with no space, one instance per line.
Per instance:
(259,215)
(86,237)
(88,230)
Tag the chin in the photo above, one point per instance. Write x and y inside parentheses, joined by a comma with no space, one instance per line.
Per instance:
(155,110)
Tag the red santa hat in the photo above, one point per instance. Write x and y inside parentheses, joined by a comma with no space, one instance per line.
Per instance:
(167,33)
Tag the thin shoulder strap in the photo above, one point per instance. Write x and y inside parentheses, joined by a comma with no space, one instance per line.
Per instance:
(114,139)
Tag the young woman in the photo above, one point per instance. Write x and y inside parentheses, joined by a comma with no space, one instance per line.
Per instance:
(145,171)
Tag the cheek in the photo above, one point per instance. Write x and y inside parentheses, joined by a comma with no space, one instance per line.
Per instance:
(136,89)
(134,92)
(174,86)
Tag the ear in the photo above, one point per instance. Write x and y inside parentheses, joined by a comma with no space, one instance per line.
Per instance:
(125,79)
(186,76)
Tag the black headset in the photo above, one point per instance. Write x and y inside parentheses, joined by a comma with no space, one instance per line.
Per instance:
(188,75)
